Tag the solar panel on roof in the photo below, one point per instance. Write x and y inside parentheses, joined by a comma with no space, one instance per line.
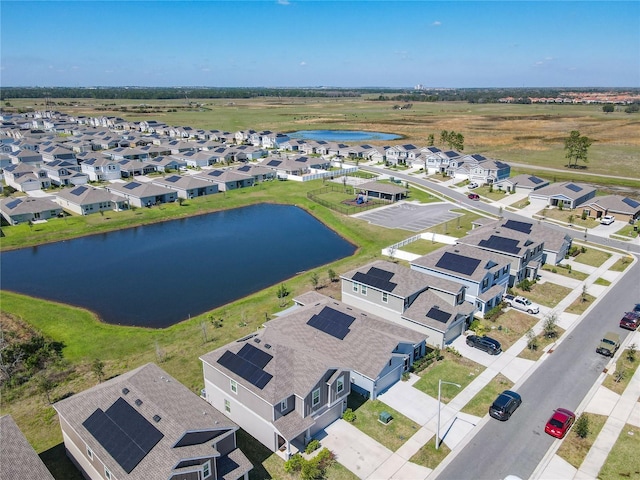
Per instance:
(301,159)
(501,164)
(451,154)
(215,173)
(536,180)
(523,227)
(332,322)
(173,178)
(378,272)
(245,369)
(438,315)
(244,168)
(458,263)
(274,163)
(132,185)
(632,203)
(478,157)
(254,355)
(124,433)
(14,203)
(502,244)
(573,187)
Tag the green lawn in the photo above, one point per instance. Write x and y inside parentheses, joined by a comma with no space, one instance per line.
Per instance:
(580,304)
(509,327)
(565,270)
(602,281)
(458,227)
(541,343)
(547,293)
(623,461)
(480,403)
(621,265)
(593,257)
(460,370)
(421,247)
(428,456)
(573,448)
(393,434)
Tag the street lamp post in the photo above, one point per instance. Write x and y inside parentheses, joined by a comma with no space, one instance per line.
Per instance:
(440,382)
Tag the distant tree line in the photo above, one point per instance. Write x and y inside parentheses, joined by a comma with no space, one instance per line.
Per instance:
(144,93)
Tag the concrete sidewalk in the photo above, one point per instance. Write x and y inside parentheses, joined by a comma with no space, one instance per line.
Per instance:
(457,427)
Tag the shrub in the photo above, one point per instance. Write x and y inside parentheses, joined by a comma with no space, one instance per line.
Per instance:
(525,285)
(532,340)
(494,313)
(349,415)
(631,352)
(312,446)
(582,426)
(294,464)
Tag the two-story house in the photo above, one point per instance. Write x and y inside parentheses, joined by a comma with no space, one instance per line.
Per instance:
(288,381)
(144,424)
(484,274)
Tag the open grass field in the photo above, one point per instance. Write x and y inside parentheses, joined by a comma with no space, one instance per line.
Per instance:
(531,135)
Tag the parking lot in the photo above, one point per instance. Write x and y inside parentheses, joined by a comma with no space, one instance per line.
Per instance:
(410,216)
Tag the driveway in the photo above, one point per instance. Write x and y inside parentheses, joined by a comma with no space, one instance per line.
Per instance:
(356,451)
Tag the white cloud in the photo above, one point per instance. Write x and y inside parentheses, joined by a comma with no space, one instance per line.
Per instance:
(437,23)
(283,2)
(303,64)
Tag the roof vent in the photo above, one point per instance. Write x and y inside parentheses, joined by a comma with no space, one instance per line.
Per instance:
(267,346)
(157,418)
(138,402)
(257,340)
(125,390)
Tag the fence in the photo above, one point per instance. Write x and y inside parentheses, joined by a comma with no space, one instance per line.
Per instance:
(340,207)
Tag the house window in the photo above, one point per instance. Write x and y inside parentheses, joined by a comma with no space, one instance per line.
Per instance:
(505,269)
(363,289)
(355,287)
(496,275)
(340,385)
(385,297)
(485,283)
(107,473)
(315,397)
(234,386)
(206,470)
(227,406)
(89,453)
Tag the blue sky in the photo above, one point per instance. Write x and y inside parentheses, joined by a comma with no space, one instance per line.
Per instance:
(291,43)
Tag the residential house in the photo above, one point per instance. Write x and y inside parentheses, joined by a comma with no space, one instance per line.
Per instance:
(556,244)
(144,424)
(18,459)
(142,194)
(101,169)
(623,208)
(187,186)
(521,183)
(126,153)
(288,381)
(56,152)
(28,209)
(485,275)
(274,140)
(65,173)
(566,194)
(391,291)
(25,177)
(402,154)
(525,252)
(167,164)
(131,168)
(479,169)
(85,200)
(26,156)
(285,165)
(258,172)
(197,159)
(227,179)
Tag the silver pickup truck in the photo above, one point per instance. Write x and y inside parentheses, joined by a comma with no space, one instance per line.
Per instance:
(521,303)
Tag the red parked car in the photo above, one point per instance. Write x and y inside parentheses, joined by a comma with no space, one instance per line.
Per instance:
(473,196)
(631,320)
(560,422)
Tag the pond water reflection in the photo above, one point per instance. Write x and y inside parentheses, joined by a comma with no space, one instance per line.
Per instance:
(158,275)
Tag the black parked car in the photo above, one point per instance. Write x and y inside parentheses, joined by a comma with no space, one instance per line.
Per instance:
(489,345)
(505,405)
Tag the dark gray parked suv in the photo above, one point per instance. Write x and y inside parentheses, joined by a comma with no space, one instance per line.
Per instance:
(505,405)
(489,345)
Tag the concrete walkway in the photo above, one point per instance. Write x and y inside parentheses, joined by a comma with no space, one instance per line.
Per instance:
(370,460)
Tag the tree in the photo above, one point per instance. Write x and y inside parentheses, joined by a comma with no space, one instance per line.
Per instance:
(550,326)
(45,385)
(97,367)
(282,293)
(576,147)
(532,340)
(607,108)
(582,426)
(431,140)
(333,276)
(631,352)
(315,280)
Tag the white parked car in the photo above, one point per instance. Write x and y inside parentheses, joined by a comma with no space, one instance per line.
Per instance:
(607,220)
(472,185)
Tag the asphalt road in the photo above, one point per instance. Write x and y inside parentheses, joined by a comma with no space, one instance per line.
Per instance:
(563,379)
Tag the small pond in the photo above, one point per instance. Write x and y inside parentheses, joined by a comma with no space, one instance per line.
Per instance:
(158,275)
(342,135)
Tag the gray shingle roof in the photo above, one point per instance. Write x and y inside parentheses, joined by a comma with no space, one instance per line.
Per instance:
(180,411)
(18,459)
